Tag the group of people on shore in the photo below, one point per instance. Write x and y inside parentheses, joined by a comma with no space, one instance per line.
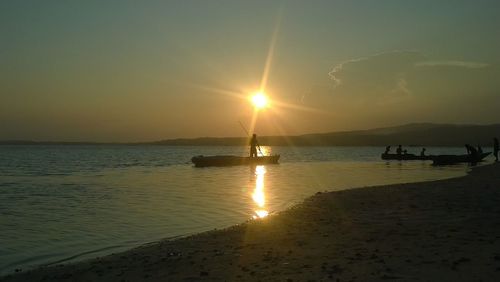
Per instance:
(475,152)
(471,150)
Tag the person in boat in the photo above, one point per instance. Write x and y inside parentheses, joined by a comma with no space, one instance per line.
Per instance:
(253,146)
(387,149)
(422,153)
(495,148)
(471,150)
(399,150)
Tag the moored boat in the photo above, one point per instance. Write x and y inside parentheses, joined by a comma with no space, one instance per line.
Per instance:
(204,161)
(405,157)
(453,159)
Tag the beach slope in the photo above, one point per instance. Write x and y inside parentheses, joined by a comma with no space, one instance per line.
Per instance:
(447,230)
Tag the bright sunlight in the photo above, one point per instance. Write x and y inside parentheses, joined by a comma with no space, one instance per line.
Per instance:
(259,100)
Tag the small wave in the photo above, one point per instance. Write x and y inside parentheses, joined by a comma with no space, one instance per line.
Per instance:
(139,164)
(52,174)
(96,251)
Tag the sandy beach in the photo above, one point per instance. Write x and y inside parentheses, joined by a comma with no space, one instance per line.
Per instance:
(447,230)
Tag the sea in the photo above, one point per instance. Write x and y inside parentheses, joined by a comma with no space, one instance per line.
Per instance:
(64,203)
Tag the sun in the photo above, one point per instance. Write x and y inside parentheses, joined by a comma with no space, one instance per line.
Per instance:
(259,100)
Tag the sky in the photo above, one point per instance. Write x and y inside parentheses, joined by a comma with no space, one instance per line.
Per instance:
(127,71)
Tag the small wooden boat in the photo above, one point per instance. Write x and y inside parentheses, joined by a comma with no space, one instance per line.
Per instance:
(405,157)
(453,159)
(203,161)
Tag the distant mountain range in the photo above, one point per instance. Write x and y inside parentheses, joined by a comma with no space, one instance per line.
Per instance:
(415,134)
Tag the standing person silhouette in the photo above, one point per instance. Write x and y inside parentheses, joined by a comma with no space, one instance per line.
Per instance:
(253,146)
(399,150)
(495,148)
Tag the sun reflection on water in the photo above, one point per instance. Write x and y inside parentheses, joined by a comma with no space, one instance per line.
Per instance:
(263,151)
(258,194)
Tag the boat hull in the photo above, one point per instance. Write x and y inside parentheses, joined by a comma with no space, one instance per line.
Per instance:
(405,157)
(453,159)
(204,161)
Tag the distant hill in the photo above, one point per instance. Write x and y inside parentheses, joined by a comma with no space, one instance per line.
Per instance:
(415,134)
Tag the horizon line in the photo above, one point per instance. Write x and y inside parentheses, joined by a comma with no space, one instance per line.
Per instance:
(152,142)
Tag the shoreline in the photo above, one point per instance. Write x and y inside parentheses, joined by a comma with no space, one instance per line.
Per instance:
(437,230)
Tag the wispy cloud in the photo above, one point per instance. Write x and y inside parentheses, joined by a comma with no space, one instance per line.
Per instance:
(402,87)
(381,76)
(396,60)
(397,74)
(459,64)
(332,74)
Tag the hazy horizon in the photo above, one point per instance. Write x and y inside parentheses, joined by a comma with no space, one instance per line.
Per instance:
(126,71)
(395,130)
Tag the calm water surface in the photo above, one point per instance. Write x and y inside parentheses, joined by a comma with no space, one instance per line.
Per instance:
(66,203)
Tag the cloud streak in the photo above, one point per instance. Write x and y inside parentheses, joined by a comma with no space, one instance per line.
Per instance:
(459,64)
(408,86)
(402,73)
(396,61)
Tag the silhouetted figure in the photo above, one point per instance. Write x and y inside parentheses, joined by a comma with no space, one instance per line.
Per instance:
(471,150)
(479,149)
(422,153)
(253,146)
(405,152)
(495,148)
(387,149)
(399,150)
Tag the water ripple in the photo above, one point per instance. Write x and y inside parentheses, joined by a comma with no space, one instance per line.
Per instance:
(63,203)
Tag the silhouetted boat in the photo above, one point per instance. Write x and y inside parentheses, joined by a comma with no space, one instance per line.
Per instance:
(453,159)
(405,157)
(202,161)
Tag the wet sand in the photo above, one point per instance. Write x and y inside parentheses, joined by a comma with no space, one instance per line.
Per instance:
(447,230)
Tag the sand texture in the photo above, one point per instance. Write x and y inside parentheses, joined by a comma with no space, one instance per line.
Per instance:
(446,230)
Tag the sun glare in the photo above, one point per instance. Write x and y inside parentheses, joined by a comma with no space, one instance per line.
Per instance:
(259,100)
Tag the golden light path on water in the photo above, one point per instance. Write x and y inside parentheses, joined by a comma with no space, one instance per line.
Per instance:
(258,195)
